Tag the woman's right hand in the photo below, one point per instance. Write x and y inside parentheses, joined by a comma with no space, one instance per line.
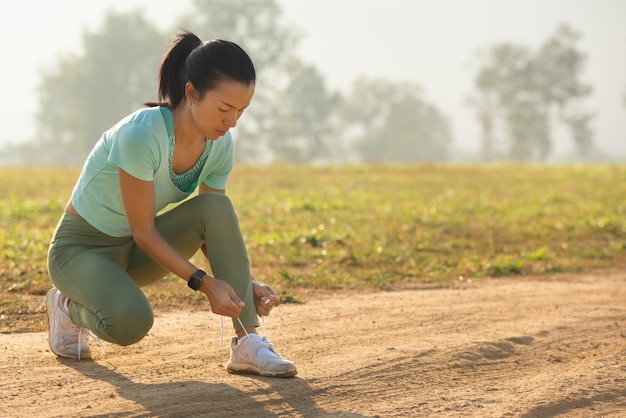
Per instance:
(222,297)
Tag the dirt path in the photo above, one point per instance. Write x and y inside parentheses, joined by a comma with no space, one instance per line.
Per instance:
(519,347)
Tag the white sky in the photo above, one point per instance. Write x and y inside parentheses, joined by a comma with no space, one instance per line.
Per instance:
(429,42)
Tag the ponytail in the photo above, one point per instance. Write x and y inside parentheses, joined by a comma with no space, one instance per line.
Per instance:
(203,64)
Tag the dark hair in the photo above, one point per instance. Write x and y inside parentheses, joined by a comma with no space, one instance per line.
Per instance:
(204,64)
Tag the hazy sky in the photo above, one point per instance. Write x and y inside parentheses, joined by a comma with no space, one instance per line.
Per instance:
(429,42)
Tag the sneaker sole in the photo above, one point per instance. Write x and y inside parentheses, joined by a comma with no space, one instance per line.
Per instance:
(235,368)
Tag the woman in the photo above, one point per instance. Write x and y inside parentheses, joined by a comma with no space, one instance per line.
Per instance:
(113,239)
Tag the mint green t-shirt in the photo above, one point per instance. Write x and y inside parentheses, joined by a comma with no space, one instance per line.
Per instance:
(139,145)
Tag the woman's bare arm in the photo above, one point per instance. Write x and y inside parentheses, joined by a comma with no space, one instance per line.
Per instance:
(138,197)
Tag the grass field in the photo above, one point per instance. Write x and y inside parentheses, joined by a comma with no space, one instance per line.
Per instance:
(356,228)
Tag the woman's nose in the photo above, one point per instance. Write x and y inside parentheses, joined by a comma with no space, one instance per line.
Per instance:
(231,121)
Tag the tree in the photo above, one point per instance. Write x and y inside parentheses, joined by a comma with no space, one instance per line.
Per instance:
(521,94)
(306,110)
(255,25)
(84,94)
(391,122)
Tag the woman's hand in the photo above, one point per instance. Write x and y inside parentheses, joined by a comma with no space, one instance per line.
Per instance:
(264,298)
(222,297)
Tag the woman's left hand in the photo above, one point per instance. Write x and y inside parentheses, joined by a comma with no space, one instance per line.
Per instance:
(264,298)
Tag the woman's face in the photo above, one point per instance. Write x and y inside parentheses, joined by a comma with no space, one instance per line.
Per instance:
(220,108)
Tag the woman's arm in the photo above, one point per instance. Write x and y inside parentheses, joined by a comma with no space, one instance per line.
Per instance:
(138,197)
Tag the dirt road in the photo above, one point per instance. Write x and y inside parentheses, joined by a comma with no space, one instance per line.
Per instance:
(516,347)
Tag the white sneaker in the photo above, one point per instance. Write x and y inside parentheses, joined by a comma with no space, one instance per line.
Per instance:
(245,358)
(66,338)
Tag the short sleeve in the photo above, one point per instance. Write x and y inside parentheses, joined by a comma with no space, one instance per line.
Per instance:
(136,150)
(222,164)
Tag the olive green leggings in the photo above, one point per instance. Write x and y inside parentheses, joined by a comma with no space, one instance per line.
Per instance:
(102,275)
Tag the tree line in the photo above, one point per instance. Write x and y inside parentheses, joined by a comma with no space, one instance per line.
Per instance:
(519,95)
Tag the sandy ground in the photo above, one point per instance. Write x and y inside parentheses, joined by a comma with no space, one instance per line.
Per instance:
(516,347)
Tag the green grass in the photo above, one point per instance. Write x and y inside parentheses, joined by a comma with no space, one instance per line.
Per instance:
(360,227)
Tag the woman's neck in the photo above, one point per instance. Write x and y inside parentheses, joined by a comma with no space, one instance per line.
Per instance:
(185,131)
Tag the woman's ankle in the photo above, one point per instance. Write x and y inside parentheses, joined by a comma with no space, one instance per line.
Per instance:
(245,331)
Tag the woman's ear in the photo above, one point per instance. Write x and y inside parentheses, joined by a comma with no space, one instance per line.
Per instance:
(191,94)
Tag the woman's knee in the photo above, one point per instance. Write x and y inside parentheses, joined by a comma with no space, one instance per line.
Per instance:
(216,202)
(129,324)
(217,208)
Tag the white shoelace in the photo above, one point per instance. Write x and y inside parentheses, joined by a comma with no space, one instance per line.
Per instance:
(242,327)
(86,333)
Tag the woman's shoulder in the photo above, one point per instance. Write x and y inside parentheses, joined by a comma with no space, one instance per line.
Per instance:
(148,122)
(147,116)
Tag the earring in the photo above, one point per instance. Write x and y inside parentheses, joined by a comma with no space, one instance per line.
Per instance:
(190,105)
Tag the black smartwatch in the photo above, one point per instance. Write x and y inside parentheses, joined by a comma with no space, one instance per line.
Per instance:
(195,281)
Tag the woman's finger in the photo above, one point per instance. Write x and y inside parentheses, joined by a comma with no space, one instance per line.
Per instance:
(265,306)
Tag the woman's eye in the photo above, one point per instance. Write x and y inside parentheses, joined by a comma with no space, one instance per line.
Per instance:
(222,110)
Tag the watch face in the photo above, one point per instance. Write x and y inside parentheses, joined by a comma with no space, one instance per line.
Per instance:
(194,281)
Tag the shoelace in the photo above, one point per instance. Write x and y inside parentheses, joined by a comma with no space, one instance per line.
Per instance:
(242,327)
(86,333)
